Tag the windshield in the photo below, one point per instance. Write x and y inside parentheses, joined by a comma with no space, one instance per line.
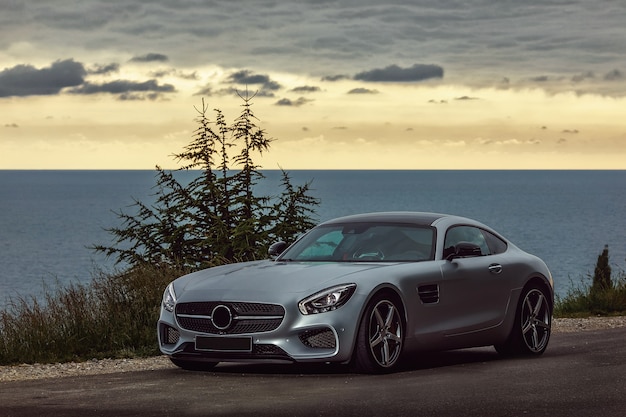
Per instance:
(364,242)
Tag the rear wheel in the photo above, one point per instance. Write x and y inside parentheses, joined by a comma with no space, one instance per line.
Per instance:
(532,327)
(380,338)
(193,365)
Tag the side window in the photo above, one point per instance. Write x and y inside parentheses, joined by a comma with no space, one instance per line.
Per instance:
(496,245)
(470,234)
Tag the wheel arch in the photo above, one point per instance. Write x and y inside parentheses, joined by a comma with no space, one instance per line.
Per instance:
(541,283)
(390,290)
(382,289)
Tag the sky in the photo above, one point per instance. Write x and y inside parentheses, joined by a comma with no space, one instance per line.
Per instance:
(337,84)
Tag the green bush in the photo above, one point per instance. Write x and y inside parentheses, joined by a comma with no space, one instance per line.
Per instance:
(581,301)
(113,316)
(606,295)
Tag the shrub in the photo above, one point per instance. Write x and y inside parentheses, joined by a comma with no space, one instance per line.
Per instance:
(605,296)
(113,316)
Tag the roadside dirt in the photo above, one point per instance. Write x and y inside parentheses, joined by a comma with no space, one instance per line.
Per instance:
(107,366)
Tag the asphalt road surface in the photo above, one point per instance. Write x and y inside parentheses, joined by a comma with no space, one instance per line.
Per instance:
(581,374)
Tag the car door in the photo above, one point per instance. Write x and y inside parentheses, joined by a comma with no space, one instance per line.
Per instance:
(475,289)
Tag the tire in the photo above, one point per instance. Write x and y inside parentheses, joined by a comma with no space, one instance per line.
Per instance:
(193,365)
(532,326)
(380,338)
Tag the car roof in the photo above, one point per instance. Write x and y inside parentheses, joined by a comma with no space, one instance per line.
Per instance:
(413,217)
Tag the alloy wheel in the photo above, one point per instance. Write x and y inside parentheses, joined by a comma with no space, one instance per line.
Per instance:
(536,321)
(385,333)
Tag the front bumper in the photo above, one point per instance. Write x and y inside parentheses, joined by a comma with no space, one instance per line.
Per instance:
(324,337)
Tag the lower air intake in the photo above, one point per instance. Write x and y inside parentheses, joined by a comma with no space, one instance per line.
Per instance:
(169,335)
(318,338)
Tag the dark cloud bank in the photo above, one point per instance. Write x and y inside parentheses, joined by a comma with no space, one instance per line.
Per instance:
(26,80)
(72,77)
(394,73)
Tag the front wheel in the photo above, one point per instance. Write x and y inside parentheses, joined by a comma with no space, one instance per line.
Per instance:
(380,338)
(532,326)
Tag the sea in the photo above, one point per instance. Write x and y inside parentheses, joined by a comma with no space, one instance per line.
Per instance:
(49,219)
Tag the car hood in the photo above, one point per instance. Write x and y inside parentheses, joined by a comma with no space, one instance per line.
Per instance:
(265,280)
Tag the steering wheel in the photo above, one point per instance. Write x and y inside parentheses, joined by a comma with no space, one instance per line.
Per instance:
(368,254)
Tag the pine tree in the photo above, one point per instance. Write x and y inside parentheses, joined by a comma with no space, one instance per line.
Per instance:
(217,218)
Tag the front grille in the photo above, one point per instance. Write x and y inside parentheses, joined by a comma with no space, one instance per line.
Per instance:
(251,309)
(318,338)
(245,317)
(256,326)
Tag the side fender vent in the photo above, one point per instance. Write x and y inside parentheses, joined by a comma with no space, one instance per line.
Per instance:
(429,294)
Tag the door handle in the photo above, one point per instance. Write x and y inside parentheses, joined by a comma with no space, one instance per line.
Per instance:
(495,268)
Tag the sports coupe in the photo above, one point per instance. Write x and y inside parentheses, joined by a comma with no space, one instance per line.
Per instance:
(365,290)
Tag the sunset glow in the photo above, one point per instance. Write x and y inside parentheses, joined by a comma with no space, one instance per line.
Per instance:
(333,95)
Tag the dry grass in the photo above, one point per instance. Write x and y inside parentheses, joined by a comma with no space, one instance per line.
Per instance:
(113,316)
(584,301)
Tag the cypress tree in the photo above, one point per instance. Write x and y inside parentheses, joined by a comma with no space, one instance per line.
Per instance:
(602,272)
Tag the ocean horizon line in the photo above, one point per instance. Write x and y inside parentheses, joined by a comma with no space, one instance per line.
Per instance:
(322,169)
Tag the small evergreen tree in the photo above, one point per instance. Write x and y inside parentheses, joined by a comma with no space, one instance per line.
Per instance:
(217,218)
(602,272)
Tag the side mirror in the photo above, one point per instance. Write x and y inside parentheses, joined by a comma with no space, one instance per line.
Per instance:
(276,249)
(463,250)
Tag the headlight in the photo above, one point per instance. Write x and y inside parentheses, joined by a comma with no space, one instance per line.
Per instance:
(327,300)
(169,298)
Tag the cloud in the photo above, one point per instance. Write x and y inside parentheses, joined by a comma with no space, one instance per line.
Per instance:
(466,98)
(333,78)
(614,75)
(11,125)
(477,44)
(139,96)
(306,89)
(582,77)
(150,57)
(509,142)
(175,73)
(246,77)
(362,91)
(104,69)
(204,91)
(125,88)
(291,103)
(394,73)
(26,80)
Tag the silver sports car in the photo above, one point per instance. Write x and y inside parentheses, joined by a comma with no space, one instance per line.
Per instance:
(364,290)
